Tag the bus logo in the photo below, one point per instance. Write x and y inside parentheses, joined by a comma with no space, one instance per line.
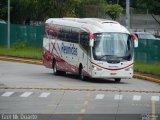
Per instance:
(69,49)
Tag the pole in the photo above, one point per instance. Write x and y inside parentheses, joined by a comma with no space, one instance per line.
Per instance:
(147,18)
(127,14)
(117,1)
(8,33)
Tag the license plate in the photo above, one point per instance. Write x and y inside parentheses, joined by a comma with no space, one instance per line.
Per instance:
(113,73)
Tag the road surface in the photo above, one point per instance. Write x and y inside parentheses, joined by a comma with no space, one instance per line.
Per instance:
(33,89)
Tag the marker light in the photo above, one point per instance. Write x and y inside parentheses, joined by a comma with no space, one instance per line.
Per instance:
(92,36)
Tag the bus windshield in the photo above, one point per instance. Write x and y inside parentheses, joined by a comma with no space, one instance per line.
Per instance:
(112,47)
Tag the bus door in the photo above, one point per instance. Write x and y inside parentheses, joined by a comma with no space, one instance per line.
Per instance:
(85,49)
(74,39)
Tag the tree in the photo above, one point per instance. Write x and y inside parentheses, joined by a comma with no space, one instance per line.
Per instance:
(91,8)
(114,11)
(23,10)
(65,8)
(3,9)
(40,10)
(152,5)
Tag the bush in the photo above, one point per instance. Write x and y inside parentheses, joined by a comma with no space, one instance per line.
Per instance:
(114,11)
(19,44)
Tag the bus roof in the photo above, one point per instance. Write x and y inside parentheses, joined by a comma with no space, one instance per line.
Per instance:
(93,25)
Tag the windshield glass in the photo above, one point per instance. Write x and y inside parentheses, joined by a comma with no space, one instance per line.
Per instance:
(146,36)
(112,47)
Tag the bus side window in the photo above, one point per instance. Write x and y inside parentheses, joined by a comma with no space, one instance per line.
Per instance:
(62,35)
(84,38)
(66,31)
(54,35)
(50,34)
(74,37)
(67,36)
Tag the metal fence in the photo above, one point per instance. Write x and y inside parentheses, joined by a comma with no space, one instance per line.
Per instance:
(31,35)
(148,51)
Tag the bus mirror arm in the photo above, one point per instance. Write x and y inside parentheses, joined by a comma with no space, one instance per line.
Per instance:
(134,37)
(91,42)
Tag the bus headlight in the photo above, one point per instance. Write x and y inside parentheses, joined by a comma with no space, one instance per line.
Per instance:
(129,69)
(96,68)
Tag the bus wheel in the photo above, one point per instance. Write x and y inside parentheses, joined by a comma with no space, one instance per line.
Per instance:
(81,75)
(117,80)
(54,66)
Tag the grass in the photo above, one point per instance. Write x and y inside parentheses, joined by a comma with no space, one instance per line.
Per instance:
(36,53)
(153,69)
(33,53)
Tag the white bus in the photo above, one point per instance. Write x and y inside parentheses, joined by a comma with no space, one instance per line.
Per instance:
(89,47)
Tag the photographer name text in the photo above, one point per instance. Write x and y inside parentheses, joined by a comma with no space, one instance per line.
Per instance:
(19,117)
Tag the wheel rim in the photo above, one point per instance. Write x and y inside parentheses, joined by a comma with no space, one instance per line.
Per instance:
(81,74)
(54,68)
(117,79)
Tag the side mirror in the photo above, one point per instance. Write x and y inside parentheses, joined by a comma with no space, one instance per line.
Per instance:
(134,37)
(91,42)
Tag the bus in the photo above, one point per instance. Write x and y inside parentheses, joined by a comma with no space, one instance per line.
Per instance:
(89,47)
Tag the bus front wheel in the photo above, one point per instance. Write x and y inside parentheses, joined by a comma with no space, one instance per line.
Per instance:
(117,79)
(81,75)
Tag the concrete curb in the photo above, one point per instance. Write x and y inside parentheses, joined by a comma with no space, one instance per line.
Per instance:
(39,62)
(147,78)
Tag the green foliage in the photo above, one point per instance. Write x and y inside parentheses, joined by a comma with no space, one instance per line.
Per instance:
(69,8)
(152,5)
(19,45)
(114,11)
(40,10)
(34,53)
(22,10)
(3,9)
(91,8)
(148,68)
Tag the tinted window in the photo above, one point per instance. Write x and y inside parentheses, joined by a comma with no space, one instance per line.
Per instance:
(74,35)
(84,38)
(62,35)
(65,34)
(53,34)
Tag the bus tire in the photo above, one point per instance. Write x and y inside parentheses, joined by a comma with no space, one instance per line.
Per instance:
(81,75)
(117,80)
(54,66)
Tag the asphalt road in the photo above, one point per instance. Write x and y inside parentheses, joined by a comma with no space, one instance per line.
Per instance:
(33,89)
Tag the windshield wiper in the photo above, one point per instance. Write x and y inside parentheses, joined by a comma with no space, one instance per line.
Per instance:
(105,56)
(128,57)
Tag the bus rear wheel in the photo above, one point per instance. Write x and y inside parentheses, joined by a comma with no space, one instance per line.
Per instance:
(54,66)
(117,80)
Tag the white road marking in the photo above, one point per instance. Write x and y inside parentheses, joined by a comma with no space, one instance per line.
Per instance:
(83,110)
(26,94)
(136,98)
(155,98)
(7,94)
(45,94)
(99,96)
(118,97)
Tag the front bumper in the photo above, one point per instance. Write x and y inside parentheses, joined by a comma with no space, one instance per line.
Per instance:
(112,74)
